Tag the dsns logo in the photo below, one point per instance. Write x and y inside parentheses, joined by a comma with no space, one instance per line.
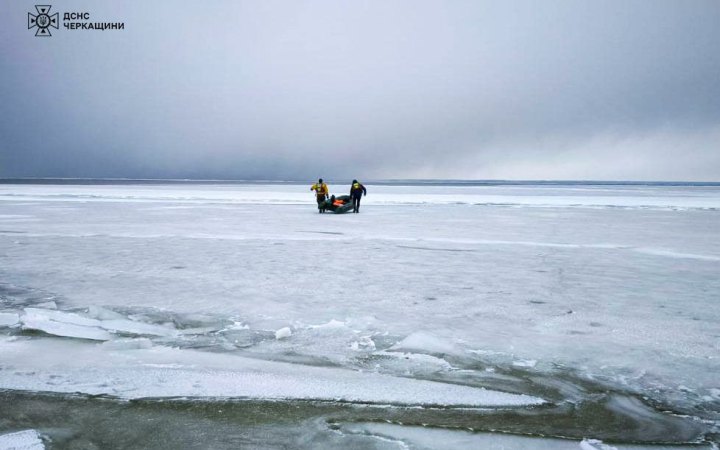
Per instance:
(43,21)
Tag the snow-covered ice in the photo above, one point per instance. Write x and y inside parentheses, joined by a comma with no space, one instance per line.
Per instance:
(427,296)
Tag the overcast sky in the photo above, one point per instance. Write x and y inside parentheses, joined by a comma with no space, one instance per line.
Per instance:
(264,89)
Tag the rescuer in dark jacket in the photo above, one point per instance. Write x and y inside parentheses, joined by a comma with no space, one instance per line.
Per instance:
(357,190)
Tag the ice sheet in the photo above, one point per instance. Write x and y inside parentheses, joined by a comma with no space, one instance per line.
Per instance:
(693,197)
(615,284)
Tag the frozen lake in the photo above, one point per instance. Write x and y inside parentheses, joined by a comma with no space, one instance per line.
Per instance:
(577,312)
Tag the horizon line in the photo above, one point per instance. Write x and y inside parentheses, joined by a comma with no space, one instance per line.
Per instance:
(67,180)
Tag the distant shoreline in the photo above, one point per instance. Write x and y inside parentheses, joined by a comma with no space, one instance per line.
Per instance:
(390,182)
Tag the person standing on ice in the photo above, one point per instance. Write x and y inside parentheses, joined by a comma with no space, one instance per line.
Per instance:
(321,191)
(357,190)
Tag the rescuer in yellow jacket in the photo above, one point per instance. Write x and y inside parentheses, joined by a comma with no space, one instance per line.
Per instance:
(322,192)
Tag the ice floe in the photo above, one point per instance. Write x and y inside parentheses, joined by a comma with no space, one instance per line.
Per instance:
(283,333)
(167,372)
(21,440)
(63,324)
(595,444)
(69,324)
(425,342)
(448,439)
(9,319)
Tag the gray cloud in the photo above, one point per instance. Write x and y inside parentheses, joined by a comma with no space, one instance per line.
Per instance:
(294,90)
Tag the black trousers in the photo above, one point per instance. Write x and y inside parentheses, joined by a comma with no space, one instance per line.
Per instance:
(356,203)
(321,202)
